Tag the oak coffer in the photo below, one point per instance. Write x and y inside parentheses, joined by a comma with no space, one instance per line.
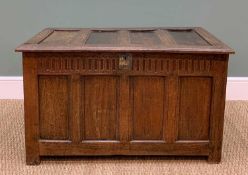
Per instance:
(124,91)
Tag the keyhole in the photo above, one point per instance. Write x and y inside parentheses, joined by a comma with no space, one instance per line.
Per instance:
(124,61)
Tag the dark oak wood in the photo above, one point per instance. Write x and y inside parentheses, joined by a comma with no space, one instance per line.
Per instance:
(54,107)
(31,109)
(101,107)
(193,122)
(93,149)
(147,105)
(136,91)
(186,40)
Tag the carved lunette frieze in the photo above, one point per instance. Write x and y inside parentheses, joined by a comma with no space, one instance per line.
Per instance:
(141,63)
(172,63)
(102,63)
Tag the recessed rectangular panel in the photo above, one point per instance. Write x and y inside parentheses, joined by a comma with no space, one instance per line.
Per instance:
(103,37)
(60,37)
(188,37)
(100,100)
(144,38)
(147,100)
(54,107)
(195,100)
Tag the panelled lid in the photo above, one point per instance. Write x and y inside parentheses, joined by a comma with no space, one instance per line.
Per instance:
(181,40)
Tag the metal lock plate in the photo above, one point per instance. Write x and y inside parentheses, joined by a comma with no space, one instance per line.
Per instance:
(125,61)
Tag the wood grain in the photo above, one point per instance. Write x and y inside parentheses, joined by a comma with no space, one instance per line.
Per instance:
(100,108)
(147,101)
(195,106)
(75,109)
(218,108)
(54,107)
(103,37)
(57,37)
(169,40)
(150,104)
(94,149)
(80,101)
(31,110)
(188,37)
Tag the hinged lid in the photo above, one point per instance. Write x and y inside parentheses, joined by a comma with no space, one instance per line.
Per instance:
(180,40)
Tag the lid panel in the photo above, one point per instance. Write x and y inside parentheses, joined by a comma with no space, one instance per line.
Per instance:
(103,37)
(173,40)
(144,38)
(60,37)
(188,37)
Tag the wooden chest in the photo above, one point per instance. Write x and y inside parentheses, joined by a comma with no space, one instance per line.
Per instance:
(135,91)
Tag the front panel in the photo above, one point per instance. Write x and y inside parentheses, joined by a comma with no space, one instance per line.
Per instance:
(147,101)
(160,105)
(100,107)
(54,107)
(194,108)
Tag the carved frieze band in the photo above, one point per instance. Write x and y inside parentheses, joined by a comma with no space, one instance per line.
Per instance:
(77,64)
(140,64)
(172,65)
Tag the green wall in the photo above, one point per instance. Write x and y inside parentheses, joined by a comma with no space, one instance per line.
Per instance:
(21,19)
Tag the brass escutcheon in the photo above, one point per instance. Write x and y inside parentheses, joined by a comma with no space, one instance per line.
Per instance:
(125,61)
